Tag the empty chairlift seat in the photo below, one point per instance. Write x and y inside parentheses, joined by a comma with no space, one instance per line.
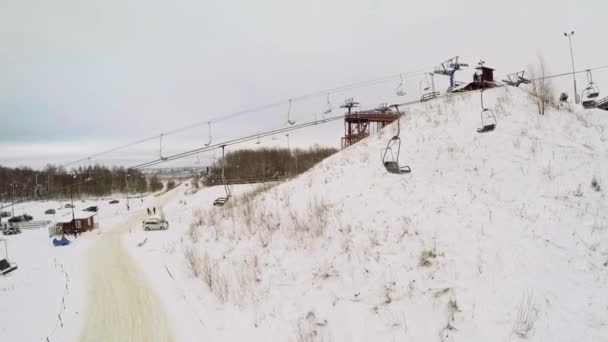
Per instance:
(7,267)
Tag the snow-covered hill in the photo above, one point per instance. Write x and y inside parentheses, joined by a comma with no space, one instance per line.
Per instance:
(492,237)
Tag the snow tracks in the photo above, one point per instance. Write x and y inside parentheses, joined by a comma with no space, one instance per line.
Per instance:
(121,306)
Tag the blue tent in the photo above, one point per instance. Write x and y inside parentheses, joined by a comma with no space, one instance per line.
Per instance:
(61,242)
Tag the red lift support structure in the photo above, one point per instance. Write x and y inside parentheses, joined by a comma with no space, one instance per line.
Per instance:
(360,125)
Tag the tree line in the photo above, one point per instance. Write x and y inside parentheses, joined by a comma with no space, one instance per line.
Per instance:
(266,163)
(54,182)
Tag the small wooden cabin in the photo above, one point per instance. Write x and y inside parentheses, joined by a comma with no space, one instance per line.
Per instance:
(83,221)
(482,78)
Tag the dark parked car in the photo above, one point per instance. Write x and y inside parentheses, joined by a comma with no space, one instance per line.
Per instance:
(5,214)
(69,205)
(50,211)
(20,218)
(16,219)
(113,201)
(92,209)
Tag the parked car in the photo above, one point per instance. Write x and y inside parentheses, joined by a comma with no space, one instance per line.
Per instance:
(16,219)
(113,201)
(69,206)
(5,214)
(155,223)
(20,218)
(50,212)
(92,209)
(10,230)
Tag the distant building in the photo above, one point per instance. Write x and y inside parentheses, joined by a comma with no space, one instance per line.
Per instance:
(482,78)
(83,221)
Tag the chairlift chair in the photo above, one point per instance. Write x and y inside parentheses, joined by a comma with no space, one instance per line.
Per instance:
(329,106)
(6,266)
(220,201)
(390,158)
(400,91)
(488,119)
(289,121)
(209,126)
(591,93)
(160,150)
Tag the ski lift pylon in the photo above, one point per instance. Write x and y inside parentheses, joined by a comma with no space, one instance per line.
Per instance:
(489,123)
(390,158)
(220,201)
(516,78)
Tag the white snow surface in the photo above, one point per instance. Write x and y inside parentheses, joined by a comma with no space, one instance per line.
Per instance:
(514,236)
(492,237)
(50,281)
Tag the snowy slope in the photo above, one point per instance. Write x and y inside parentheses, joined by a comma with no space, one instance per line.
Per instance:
(44,298)
(494,237)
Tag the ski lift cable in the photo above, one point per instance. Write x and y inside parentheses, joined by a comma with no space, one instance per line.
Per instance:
(252,110)
(265,134)
(307,124)
(312,95)
(237,141)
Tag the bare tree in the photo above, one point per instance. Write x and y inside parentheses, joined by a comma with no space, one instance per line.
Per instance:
(541,88)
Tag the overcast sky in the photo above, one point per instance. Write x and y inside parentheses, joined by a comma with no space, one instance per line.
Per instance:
(77,77)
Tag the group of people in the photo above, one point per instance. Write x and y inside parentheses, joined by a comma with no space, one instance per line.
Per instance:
(151,211)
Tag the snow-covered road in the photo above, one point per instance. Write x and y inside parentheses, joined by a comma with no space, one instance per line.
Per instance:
(121,306)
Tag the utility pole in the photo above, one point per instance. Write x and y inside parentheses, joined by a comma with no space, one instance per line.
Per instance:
(289,150)
(13,197)
(72,205)
(569,35)
(127,184)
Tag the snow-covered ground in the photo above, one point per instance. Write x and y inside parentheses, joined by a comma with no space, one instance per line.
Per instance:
(45,296)
(493,237)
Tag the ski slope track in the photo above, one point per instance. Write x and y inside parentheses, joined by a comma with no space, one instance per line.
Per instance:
(492,237)
(121,306)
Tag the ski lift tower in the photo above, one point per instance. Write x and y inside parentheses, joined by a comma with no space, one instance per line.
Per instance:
(350,104)
(359,125)
(449,68)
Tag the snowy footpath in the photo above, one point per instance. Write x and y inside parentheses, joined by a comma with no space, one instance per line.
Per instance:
(120,305)
(74,292)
